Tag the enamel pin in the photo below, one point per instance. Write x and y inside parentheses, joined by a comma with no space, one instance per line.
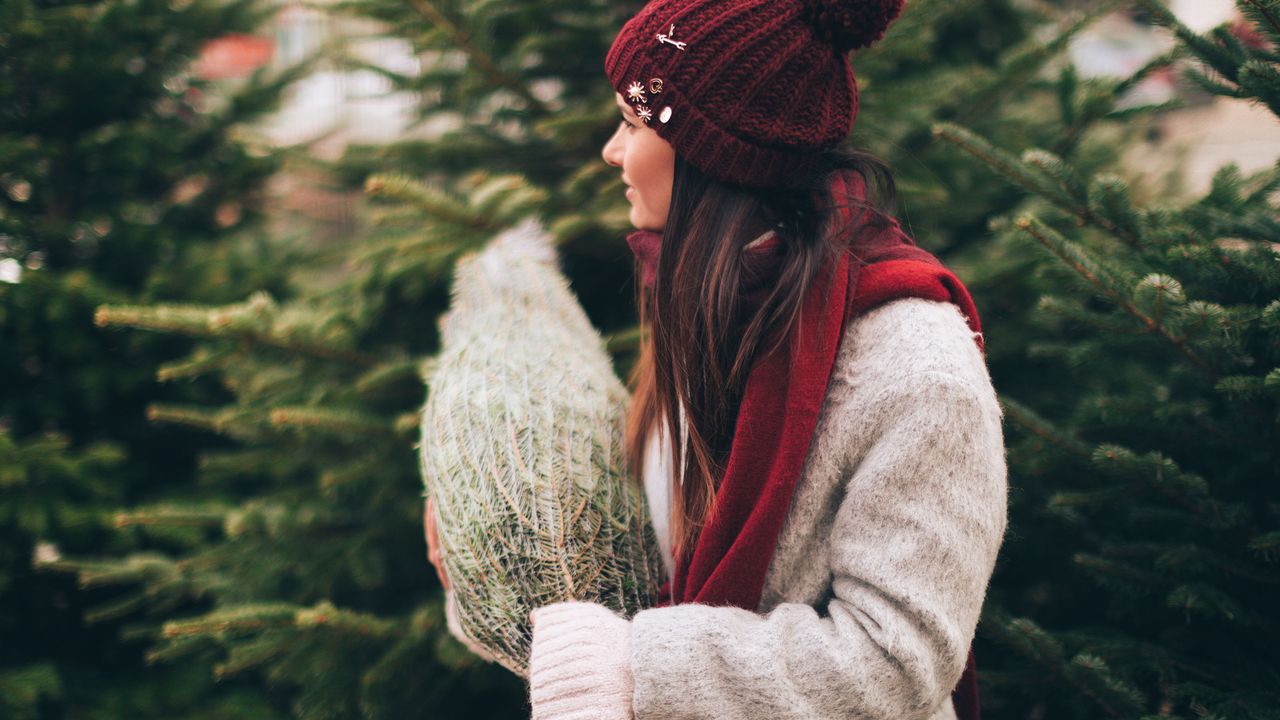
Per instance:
(666,38)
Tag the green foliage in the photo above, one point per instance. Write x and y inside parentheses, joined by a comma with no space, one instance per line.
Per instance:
(1158,484)
(122,179)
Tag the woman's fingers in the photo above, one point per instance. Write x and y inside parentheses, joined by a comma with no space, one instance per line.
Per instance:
(433,543)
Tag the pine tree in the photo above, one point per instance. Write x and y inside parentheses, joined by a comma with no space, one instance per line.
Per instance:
(314,564)
(1143,425)
(121,180)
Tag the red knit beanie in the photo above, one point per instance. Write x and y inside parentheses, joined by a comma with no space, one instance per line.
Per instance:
(746,90)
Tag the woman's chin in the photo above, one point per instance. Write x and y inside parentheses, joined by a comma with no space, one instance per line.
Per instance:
(641,221)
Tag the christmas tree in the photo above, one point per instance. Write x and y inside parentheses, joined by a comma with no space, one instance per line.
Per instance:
(121,180)
(313,567)
(1142,424)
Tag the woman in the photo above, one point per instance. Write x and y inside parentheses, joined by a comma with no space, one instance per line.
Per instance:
(829,493)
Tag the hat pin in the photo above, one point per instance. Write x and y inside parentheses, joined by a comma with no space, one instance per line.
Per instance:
(669,40)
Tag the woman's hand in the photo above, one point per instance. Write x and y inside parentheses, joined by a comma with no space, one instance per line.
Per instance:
(433,543)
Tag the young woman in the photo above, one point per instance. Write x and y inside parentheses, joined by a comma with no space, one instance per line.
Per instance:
(811,415)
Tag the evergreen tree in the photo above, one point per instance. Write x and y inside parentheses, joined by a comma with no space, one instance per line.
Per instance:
(1143,425)
(314,563)
(121,180)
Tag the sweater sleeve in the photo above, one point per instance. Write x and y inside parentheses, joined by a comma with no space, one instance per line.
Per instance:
(914,542)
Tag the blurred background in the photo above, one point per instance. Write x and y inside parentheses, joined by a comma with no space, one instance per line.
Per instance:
(227,230)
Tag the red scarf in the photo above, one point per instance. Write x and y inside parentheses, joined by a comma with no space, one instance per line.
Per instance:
(781,402)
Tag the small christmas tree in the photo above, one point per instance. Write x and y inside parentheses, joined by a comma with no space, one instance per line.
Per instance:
(522,454)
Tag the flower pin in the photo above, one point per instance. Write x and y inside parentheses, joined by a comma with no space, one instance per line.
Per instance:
(644,113)
(635,91)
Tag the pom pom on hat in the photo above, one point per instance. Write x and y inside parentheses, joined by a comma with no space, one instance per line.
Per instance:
(850,24)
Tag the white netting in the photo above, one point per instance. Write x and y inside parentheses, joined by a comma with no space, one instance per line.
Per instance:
(522,453)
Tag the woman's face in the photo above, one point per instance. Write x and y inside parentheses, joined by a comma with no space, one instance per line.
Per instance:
(648,168)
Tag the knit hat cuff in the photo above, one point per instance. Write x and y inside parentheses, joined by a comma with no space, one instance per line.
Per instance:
(703,142)
(719,153)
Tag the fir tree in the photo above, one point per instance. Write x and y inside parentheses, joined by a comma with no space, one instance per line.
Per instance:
(1143,426)
(119,182)
(315,564)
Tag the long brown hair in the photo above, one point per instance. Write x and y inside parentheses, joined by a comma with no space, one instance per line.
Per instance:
(699,339)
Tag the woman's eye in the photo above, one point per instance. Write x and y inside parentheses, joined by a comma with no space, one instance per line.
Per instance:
(629,125)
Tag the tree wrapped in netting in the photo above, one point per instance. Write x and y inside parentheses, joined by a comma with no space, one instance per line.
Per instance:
(522,453)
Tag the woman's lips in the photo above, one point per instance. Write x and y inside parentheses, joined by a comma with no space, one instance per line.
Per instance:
(630,190)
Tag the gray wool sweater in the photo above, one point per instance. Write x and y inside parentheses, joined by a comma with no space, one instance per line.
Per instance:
(874,589)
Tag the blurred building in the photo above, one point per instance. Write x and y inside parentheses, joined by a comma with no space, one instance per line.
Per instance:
(332,106)
(1209,131)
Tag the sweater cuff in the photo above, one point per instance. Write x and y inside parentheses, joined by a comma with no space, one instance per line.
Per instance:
(580,663)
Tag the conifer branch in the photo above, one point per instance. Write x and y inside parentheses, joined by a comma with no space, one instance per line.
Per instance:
(1103,567)
(1217,57)
(1072,189)
(249,655)
(1097,681)
(325,614)
(1029,639)
(1210,602)
(134,569)
(171,517)
(1019,173)
(1042,234)
(241,619)
(1038,426)
(1240,568)
(387,375)
(481,59)
(1003,163)
(1158,62)
(228,421)
(178,648)
(1071,309)
(361,469)
(429,200)
(1266,545)
(1259,80)
(337,422)
(1164,476)
(1088,675)
(201,361)
(1088,498)
(115,609)
(1273,19)
(242,322)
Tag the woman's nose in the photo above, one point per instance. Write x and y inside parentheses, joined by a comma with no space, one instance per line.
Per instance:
(611,149)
